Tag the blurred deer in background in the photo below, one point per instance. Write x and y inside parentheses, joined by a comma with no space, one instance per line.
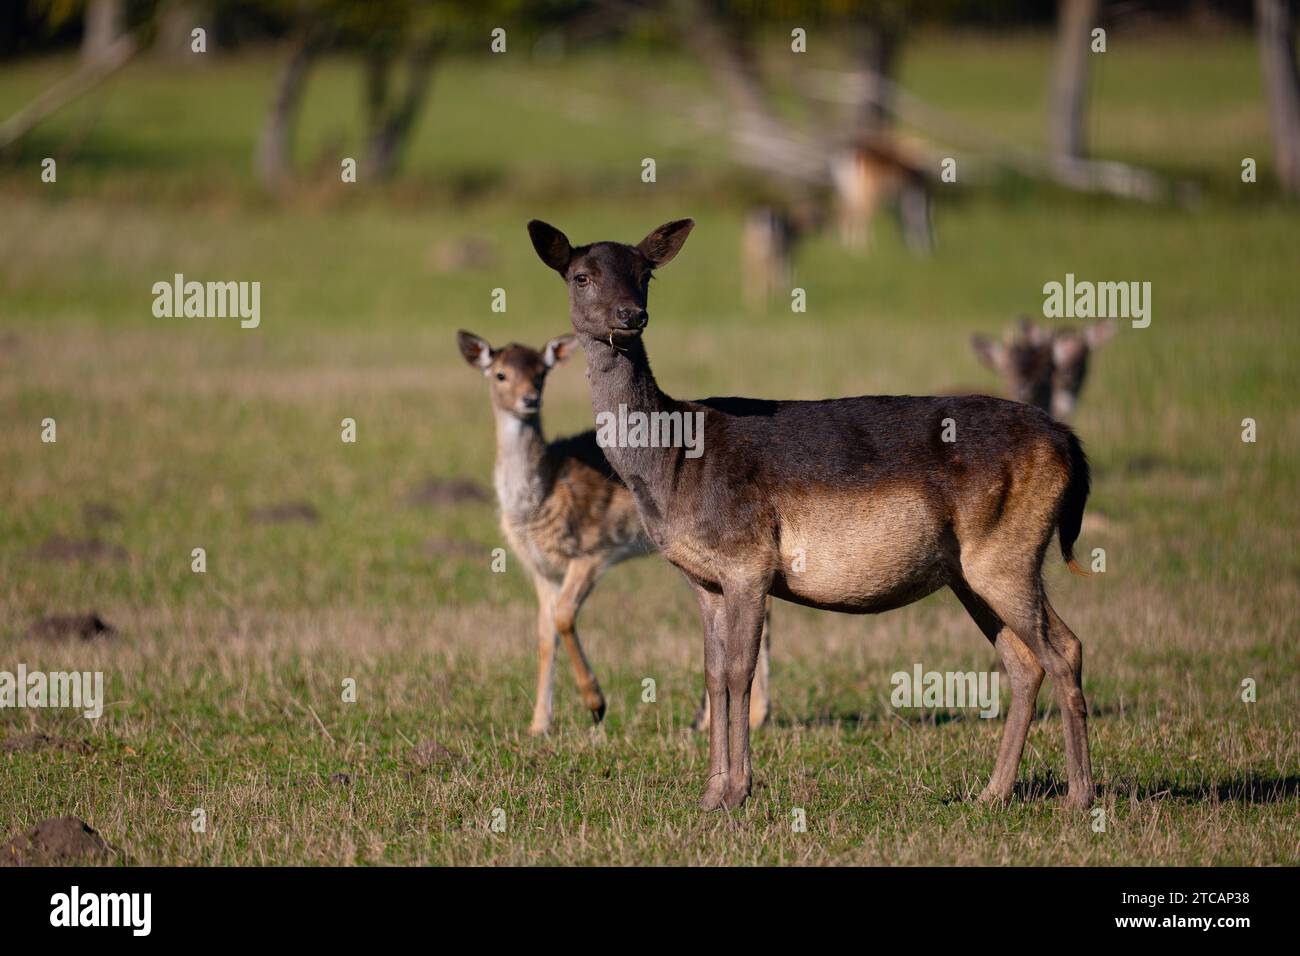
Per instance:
(876,172)
(566,514)
(766,250)
(1043,367)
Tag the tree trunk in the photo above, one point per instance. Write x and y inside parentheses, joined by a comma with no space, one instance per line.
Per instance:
(878,56)
(105,22)
(391,122)
(274,160)
(87,77)
(176,22)
(760,136)
(1067,139)
(1275,25)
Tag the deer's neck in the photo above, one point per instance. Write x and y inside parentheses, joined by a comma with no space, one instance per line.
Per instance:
(521,474)
(622,384)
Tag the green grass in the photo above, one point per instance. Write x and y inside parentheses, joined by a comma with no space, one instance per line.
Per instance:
(224,688)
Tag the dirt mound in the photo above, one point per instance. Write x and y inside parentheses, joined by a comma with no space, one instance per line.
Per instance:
(452,548)
(99,512)
(59,548)
(30,743)
(427,753)
(469,253)
(286,512)
(442,492)
(51,842)
(85,626)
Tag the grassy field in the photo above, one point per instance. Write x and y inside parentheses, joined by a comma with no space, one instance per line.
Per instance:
(224,688)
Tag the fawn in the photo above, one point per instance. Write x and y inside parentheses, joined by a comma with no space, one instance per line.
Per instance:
(856,504)
(565,513)
(1045,368)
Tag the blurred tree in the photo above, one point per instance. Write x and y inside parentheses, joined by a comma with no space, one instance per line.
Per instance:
(105,23)
(1275,26)
(106,48)
(400,43)
(272,160)
(1068,113)
(177,20)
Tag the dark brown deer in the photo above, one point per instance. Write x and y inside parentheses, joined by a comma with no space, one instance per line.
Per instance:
(1043,367)
(567,516)
(858,505)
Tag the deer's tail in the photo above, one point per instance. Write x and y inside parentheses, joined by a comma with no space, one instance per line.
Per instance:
(1069,518)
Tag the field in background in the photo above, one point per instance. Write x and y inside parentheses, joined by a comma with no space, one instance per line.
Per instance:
(224,688)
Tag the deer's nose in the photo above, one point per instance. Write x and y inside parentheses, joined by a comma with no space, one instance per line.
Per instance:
(632,318)
(532,401)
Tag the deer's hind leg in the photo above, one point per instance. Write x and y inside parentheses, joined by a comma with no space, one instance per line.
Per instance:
(1016,596)
(579,578)
(1069,696)
(1026,676)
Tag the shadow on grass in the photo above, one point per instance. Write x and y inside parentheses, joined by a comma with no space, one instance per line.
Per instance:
(1249,788)
(1046,712)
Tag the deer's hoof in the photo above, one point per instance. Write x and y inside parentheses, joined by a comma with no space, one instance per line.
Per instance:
(989,795)
(736,794)
(1078,801)
(714,793)
(539,730)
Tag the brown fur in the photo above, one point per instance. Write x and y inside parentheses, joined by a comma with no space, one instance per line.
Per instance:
(885,510)
(565,513)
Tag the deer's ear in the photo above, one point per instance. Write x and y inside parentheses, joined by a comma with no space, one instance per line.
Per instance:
(665,242)
(559,349)
(1069,348)
(1099,333)
(552,245)
(988,351)
(1031,332)
(476,351)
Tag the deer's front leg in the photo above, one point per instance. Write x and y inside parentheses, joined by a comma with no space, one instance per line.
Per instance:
(547,641)
(760,699)
(715,689)
(743,614)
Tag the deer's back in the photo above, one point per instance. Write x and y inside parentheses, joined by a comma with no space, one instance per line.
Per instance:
(860,503)
(946,441)
(587,513)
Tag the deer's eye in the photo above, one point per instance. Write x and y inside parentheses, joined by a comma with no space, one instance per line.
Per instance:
(582,278)
(501,376)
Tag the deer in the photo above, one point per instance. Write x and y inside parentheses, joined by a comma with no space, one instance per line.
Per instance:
(767,242)
(1045,368)
(856,505)
(566,515)
(877,171)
